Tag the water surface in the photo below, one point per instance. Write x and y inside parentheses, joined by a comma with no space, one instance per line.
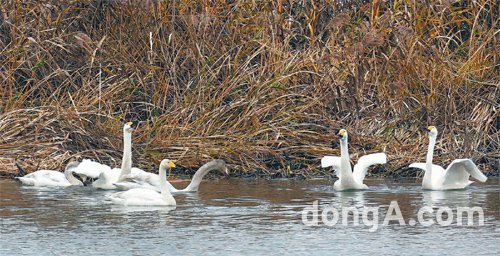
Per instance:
(235,216)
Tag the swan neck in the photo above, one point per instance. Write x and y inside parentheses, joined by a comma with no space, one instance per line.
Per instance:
(430,153)
(68,173)
(165,192)
(344,156)
(345,165)
(200,173)
(163,180)
(127,154)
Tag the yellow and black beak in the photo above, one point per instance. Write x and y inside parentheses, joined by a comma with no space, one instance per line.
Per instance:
(429,128)
(130,124)
(171,164)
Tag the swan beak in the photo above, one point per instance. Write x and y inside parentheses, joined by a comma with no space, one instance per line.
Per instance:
(171,164)
(429,128)
(130,124)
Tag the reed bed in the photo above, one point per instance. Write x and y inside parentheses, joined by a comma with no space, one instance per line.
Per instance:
(264,85)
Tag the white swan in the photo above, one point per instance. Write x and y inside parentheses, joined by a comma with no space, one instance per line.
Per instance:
(153,181)
(456,176)
(107,178)
(144,196)
(49,178)
(349,180)
(90,169)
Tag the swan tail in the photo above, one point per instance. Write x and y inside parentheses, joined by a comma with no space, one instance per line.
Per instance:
(364,162)
(26,181)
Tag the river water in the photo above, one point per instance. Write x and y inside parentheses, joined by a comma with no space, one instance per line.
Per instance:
(249,217)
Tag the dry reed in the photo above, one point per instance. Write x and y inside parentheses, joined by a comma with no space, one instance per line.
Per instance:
(263,85)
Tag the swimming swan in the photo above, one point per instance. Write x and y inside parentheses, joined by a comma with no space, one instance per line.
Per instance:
(107,178)
(456,176)
(152,181)
(349,180)
(144,196)
(49,178)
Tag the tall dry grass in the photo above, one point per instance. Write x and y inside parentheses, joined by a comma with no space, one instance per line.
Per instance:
(263,85)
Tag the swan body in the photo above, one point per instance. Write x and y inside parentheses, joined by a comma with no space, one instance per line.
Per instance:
(148,197)
(349,180)
(153,181)
(456,176)
(50,178)
(106,179)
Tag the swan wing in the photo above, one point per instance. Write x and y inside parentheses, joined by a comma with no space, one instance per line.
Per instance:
(53,176)
(91,168)
(333,161)
(459,170)
(364,162)
(422,166)
(418,166)
(143,180)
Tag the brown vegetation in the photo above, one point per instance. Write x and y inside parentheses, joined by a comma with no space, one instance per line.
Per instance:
(263,85)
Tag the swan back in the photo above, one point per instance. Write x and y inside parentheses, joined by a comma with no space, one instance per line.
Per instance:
(44,178)
(91,168)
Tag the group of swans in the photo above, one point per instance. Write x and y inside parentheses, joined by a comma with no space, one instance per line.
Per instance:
(142,186)
(456,176)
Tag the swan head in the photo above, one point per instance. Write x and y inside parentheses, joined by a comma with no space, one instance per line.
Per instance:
(127,127)
(222,166)
(432,131)
(167,164)
(342,135)
(225,170)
